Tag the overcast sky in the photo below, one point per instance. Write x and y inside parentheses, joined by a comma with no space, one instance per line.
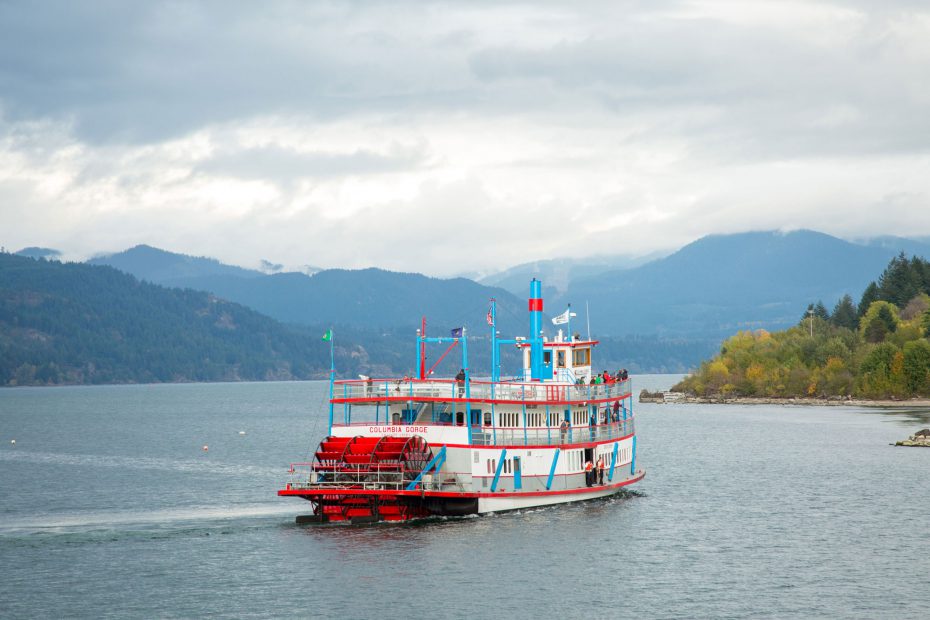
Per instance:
(451,137)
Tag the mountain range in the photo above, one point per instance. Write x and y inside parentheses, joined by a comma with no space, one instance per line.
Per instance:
(706,290)
(665,315)
(723,283)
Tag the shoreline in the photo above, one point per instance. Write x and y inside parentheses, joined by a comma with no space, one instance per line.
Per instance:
(821,402)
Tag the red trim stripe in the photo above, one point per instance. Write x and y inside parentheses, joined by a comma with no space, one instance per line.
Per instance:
(499,401)
(536,305)
(418,493)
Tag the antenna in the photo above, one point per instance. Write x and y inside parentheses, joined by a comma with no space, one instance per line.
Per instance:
(587,313)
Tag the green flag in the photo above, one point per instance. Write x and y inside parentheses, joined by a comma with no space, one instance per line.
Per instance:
(328,335)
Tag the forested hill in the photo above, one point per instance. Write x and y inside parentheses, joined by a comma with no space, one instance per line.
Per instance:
(75,323)
(363,299)
(879,350)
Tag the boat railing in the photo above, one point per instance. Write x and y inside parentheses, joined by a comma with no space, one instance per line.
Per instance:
(312,476)
(549,436)
(316,476)
(501,391)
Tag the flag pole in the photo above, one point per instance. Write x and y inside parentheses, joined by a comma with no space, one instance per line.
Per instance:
(495,368)
(587,314)
(569,322)
(332,377)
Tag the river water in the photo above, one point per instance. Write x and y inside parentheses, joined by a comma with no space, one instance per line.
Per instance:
(110,507)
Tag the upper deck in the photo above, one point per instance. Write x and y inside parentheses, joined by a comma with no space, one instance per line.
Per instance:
(374,391)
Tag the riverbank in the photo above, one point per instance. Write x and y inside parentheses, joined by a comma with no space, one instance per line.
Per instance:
(678,398)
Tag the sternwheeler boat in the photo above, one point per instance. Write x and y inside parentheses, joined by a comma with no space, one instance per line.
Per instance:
(409,448)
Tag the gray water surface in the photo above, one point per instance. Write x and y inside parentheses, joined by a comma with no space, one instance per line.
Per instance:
(109,507)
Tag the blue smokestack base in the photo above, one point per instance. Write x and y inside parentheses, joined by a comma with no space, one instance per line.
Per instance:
(536,345)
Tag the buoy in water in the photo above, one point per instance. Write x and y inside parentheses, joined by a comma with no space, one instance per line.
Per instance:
(242,432)
(206,447)
(13,442)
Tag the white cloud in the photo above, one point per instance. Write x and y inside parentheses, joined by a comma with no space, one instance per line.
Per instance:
(454,137)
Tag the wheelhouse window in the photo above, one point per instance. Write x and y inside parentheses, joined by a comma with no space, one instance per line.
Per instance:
(560,359)
(581,357)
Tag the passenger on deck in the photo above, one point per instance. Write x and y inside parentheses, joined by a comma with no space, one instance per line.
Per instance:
(369,384)
(563,431)
(616,416)
(589,473)
(460,379)
(600,470)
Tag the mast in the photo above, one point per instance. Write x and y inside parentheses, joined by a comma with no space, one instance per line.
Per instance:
(421,340)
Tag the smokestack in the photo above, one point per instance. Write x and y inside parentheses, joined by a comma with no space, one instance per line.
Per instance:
(536,345)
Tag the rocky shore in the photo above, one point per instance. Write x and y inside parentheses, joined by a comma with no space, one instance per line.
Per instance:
(920,439)
(835,401)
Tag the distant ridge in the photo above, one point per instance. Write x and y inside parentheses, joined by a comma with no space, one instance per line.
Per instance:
(169,268)
(364,298)
(34,252)
(723,283)
(558,273)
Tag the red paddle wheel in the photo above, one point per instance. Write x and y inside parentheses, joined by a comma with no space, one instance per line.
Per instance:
(380,466)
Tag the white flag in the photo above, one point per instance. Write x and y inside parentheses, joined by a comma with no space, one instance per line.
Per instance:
(562,318)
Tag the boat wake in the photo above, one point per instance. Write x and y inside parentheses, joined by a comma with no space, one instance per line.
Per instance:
(154,523)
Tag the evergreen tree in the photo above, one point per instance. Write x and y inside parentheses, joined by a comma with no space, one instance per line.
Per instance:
(844,314)
(820,311)
(870,295)
(900,281)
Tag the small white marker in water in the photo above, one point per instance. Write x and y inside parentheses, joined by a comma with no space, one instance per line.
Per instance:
(242,432)
(205,447)
(13,442)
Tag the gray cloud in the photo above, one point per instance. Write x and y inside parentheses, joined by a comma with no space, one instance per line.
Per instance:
(247,131)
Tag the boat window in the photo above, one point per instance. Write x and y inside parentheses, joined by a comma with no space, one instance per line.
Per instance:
(560,359)
(581,357)
(547,357)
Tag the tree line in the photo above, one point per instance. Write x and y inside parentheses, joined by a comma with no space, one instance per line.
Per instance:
(876,349)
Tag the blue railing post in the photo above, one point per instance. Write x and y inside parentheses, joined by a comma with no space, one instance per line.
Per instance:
(548,427)
(500,467)
(613,462)
(633,459)
(468,420)
(555,460)
(436,462)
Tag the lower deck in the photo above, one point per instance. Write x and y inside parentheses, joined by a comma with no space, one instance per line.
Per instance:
(417,479)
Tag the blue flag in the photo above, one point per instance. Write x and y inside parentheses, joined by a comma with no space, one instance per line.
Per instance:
(457,332)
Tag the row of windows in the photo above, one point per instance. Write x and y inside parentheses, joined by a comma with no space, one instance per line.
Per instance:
(507,468)
(507,418)
(574,459)
(537,419)
(580,357)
